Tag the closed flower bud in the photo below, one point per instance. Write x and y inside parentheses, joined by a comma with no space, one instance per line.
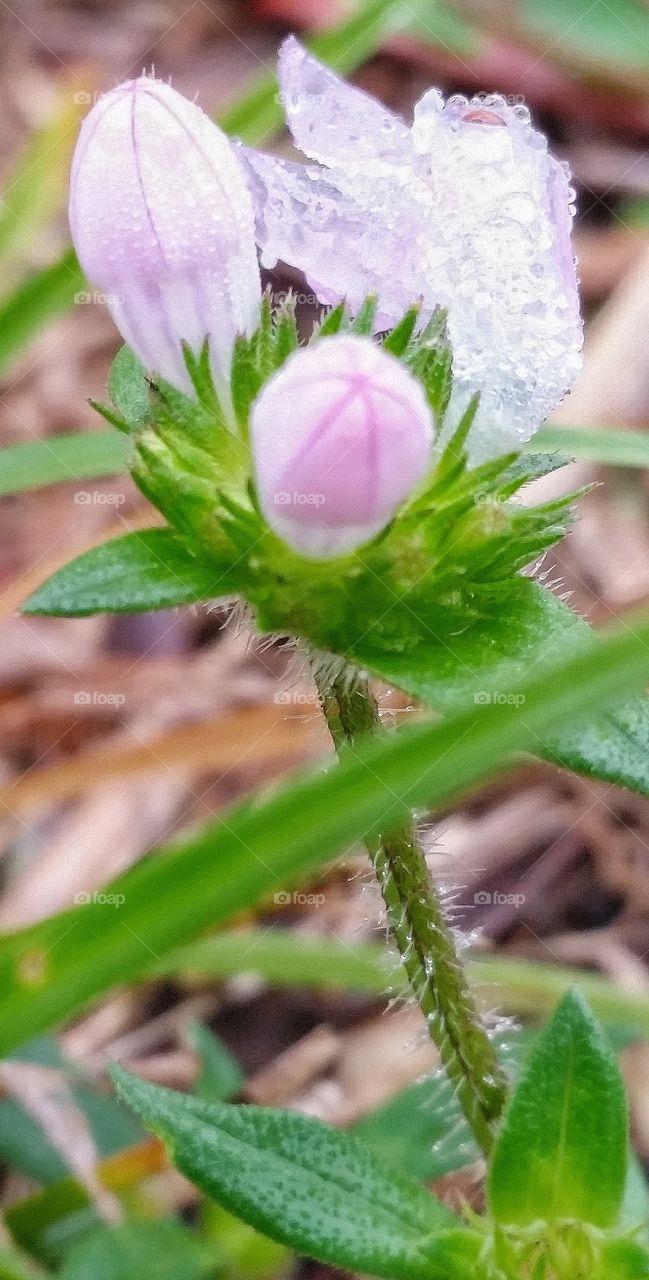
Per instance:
(340,436)
(162,222)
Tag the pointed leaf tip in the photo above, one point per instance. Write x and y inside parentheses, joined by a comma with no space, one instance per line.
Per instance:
(562,1151)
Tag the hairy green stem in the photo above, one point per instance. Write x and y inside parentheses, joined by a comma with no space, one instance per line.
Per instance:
(417,922)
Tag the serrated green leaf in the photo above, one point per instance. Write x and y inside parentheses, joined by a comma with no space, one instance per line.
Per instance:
(562,1150)
(432,362)
(534,466)
(128,388)
(298,1181)
(133,574)
(488,662)
(163,1249)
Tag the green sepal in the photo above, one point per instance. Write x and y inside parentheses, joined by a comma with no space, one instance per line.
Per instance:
(364,321)
(128,388)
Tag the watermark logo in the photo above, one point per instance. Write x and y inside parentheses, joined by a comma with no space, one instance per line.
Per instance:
(84,98)
(97,698)
(497,698)
(288,498)
(97,498)
(496,899)
(85,899)
(297,298)
(284,899)
(295,698)
(85,297)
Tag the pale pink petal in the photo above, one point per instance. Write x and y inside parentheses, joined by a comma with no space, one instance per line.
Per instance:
(477,221)
(330,120)
(163,224)
(340,435)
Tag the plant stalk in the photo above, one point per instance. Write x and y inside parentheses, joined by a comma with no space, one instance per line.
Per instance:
(418,924)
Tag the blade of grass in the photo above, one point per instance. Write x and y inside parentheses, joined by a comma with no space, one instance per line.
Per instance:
(44,295)
(344,47)
(596,444)
(79,455)
(35,188)
(51,970)
(62,458)
(285,958)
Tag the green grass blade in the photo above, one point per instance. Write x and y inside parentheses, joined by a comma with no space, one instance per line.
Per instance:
(61,459)
(44,295)
(51,970)
(283,957)
(79,455)
(35,188)
(345,47)
(605,445)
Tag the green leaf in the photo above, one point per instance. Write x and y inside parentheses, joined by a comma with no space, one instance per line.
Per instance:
(298,1181)
(164,1249)
(41,297)
(562,1151)
(23,1143)
(422,1130)
(526,627)
(59,459)
(259,849)
(221,1077)
(533,466)
(140,571)
(49,1223)
(128,388)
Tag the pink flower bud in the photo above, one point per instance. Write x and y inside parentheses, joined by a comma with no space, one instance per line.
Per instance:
(163,225)
(340,435)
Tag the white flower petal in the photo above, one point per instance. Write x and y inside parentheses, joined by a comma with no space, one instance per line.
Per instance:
(470,213)
(333,122)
